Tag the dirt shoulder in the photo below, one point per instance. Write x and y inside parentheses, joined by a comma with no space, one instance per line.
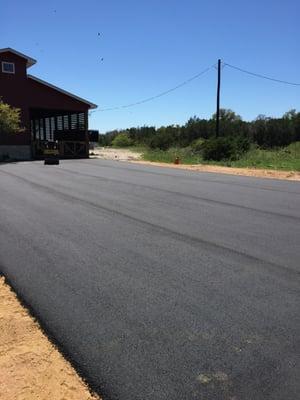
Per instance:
(259,173)
(135,157)
(30,366)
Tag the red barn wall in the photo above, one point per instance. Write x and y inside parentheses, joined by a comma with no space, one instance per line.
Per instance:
(22,92)
(13,87)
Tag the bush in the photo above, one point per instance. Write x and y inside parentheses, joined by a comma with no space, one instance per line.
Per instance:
(9,119)
(164,138)
(197,145)
(121,140)
(225,148)
(160,142)
(242,144)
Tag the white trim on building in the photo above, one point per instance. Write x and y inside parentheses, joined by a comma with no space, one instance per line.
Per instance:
(30,61)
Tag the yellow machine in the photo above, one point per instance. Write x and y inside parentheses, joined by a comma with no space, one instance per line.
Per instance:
(51,154)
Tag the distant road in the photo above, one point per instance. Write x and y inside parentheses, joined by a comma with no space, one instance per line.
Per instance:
(160,284)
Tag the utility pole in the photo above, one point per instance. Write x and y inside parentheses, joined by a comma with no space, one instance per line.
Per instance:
(218,99)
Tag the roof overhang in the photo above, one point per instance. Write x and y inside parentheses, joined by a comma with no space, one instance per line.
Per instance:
(30,61)
(91,105)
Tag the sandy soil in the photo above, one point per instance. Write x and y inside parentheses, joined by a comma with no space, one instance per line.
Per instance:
(129,155)
(259,173)
(31,368)
(114,154)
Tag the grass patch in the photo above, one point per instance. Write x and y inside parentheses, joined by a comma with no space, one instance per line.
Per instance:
(185,155)
(285,158)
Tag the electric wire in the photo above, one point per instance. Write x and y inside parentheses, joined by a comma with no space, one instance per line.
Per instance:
(261,76)
(187,81)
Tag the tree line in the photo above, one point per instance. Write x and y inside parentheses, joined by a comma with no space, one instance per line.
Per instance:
(266,132)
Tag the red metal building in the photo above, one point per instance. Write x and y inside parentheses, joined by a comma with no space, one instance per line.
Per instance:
(48,113)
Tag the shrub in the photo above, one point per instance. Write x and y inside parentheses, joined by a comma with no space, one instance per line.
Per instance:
(164,137)
(9,119)
(122,140)
(197,145)
(160,142)
(225,148)
(242,144)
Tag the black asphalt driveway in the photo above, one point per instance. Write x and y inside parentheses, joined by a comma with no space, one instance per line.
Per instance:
(159,284)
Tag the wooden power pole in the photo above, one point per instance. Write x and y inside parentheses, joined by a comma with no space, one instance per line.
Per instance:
(218,99)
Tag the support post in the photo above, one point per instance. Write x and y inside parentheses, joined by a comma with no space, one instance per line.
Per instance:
(218,100)
(86,127)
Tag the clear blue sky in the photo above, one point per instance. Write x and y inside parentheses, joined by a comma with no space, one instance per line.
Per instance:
(151,46)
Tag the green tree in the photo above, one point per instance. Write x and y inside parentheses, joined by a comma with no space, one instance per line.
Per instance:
(122,140)
(165,137)
(274,132)
(194,129)
(230,123)
(263,131)
(9,119)
(294,123)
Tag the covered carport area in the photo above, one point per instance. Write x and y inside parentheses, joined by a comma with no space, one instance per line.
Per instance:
(67,128)
(57,117)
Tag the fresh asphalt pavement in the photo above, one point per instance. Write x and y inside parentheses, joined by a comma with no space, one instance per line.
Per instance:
(159,283)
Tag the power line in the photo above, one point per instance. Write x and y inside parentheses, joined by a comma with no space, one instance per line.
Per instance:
(261,76)
(192,79)
(158,95)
